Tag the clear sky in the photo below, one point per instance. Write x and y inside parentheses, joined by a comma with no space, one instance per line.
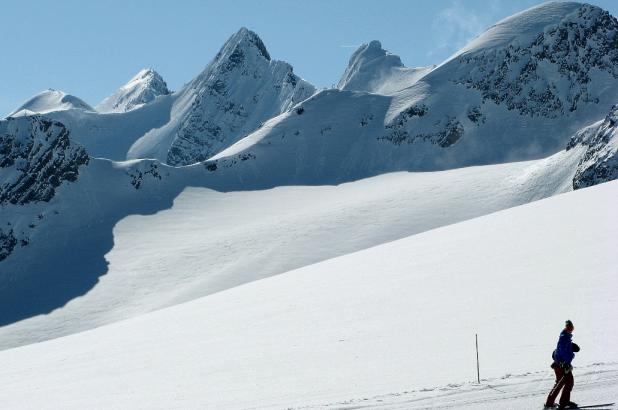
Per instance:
(90,48)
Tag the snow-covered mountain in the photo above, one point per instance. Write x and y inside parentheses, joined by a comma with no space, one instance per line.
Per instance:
(517,92)
(141,89)
(48,101)
(240,89)
(92,229)
(389,327)
(375,70)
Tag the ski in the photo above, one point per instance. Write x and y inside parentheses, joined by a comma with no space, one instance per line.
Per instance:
(592,406)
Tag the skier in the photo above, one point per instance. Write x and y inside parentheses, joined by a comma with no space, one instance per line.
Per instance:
(563,355)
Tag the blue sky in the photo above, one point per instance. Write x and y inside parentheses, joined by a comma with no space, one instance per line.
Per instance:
(90,48)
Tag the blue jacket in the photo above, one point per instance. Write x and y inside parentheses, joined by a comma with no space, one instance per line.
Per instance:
(564,350)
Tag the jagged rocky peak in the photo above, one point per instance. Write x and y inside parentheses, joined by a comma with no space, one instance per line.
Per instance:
(235,49)
(241,88)
(143,88)
(48,101)
(600,161)
(543,61)
(373,69)
(36,157)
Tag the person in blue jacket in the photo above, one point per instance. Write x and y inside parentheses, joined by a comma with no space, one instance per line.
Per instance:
(563,356)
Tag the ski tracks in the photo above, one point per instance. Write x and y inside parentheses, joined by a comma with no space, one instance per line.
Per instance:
(595,383)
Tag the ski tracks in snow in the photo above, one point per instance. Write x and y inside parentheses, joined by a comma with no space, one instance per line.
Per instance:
(594,383)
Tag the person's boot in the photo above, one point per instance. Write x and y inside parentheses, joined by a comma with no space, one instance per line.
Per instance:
(570,405)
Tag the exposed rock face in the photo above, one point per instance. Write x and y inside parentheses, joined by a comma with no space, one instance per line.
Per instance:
(241,88)
(36,156)
(7,243)
(551,75)
(600,161)
(145,87)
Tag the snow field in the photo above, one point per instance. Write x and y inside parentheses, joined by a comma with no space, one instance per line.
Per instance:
(393,318)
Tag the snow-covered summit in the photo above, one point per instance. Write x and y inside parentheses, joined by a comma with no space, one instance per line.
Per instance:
(525,26)
(48,101)
(373,69)
(239,89)
(141,89)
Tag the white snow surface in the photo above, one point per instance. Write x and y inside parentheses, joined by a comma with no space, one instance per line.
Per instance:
(49,101)
(208,241)
(143,88)
(389,327)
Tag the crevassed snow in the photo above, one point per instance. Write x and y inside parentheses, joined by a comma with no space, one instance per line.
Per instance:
(49,101)
(372,327)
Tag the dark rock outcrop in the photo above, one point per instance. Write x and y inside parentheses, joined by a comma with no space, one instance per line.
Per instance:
(36,157)
(600,161)
(550,76)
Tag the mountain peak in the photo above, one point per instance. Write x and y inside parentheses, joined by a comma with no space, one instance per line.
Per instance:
(374,69)
(522,28)
(51,100)
(143,88)
(240,89)
(146,73)
(238,45)
(373,51)
(246,36)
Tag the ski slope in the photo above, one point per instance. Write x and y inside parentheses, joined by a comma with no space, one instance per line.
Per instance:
(391,323)
(177,239)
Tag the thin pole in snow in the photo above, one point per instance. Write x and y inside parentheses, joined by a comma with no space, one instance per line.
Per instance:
(478,372)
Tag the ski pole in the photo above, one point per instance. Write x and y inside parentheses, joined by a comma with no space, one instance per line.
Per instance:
(551,393)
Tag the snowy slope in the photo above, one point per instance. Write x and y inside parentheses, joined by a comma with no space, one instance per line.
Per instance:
(141,89)
(238,90)
(110,135)
(70,252)
(392,322)
(48,101)
(375,70)
(203,238)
